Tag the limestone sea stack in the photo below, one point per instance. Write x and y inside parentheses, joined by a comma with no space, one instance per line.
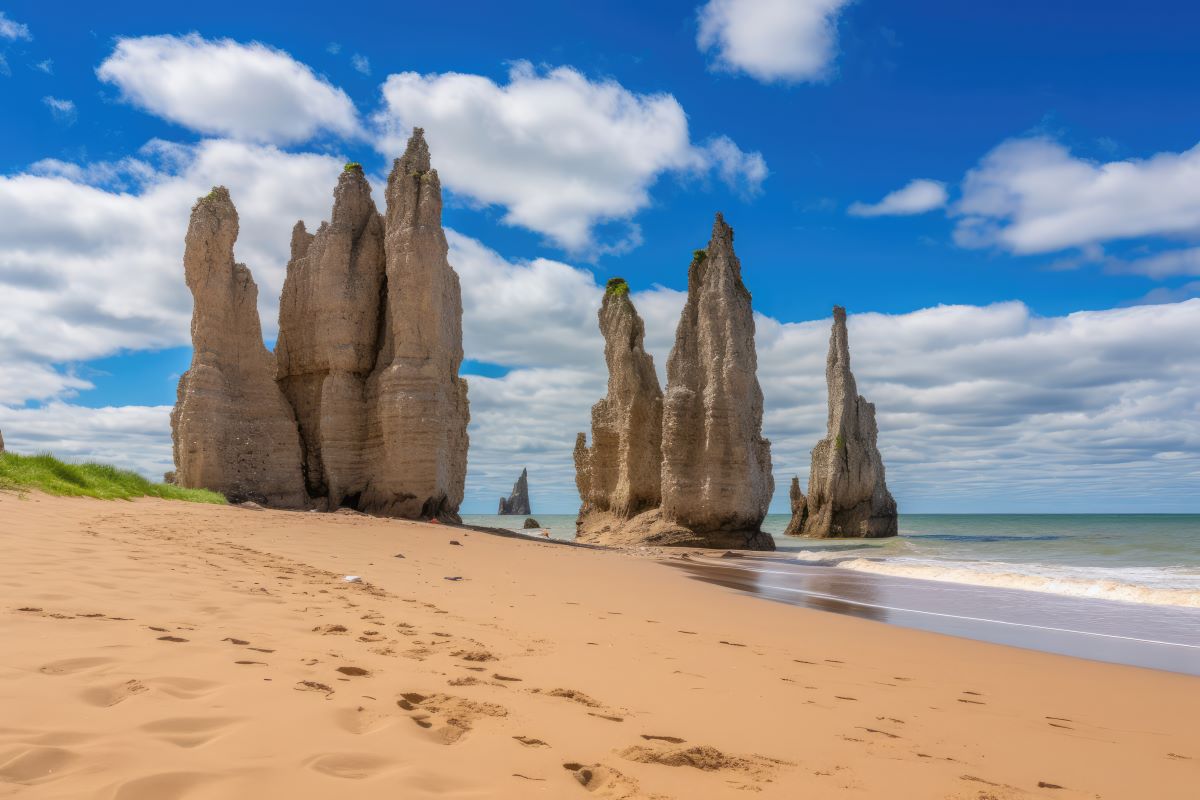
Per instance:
(716,472)
(799,502)
(416,425)
(328,339)
(847,494)
(518,501)
(619,476)
(713,482)
(232,429)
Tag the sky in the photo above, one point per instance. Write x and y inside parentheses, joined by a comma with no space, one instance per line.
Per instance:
(1006,198)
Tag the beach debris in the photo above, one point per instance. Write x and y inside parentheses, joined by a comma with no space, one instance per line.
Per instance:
(352,579)
(398,555)
(453,578)
(517,501)
(847,494)
(456,542)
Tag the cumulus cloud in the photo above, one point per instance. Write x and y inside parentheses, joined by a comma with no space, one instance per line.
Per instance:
(917,197)
(771,40)
(558,151)
(1185,261)
(1032,195)
(249,91)
(88,269)
(12,30)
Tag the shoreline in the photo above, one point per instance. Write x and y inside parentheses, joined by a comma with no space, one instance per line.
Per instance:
(538,671)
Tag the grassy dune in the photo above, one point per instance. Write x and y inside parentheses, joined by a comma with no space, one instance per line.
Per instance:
(47,474)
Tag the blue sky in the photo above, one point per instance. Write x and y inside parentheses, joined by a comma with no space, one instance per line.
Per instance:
(1051,150)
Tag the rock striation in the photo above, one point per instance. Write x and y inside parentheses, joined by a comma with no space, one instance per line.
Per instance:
(714,478)
(367,360)
(619,476)
(1,441)
(518,501)
(847,494)
(416,426)
(232,430)
(328,338)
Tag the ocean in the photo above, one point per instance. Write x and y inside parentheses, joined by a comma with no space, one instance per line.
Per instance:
(1150,559)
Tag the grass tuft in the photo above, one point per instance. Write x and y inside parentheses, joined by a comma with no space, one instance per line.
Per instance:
(616,287)
(352,166)
(47,474)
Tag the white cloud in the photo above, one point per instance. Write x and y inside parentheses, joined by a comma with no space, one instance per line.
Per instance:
(13,30)
(1032,195)
(46,66)
(1162,265)
(87,270)
(560,152)
(917,197)
(771,40)
(361,63)
(245,91)
(5,69)
(62,110)
(134,437)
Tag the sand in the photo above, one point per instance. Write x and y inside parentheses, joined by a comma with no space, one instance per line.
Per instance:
(156,650)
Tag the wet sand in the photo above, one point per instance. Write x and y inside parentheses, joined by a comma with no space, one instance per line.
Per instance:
(167,650)
(1122,633)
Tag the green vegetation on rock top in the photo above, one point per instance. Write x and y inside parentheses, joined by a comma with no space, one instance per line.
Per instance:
(616,287)
(47,474)
(352,166)
(698,256)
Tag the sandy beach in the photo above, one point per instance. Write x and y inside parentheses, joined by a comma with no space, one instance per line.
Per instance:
(157,650)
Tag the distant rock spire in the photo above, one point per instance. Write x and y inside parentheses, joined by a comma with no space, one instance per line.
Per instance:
(518,501)
(233,431)
(847,493)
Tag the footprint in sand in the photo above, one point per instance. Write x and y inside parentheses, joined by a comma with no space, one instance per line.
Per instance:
(190,731)
(603,781)
(106,696)
(706,759)
(352,766)
(448,718)
(36,765)
(69,666)
(354,672)
(183,688)
(529,741)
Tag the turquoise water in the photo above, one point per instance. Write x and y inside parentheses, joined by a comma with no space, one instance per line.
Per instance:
(1148,559)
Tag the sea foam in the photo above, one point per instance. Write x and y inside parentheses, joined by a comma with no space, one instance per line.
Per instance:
(1147,586)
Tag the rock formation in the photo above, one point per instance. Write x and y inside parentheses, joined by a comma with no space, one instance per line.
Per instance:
(416,425)
(1,441)
(795,526)
(328,332)
(619,475)
(714,481)
(369,413)
(716,474)
(531,523)
(847,494)
(518,501)
(232,429)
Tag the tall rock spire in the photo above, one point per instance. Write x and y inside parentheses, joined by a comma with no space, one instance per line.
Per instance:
(620,474)
(416,427)
(716,472)
(328,332)
(232,429)
(847,493)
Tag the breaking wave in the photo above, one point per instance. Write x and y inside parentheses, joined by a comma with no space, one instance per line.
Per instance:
(1168,586)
